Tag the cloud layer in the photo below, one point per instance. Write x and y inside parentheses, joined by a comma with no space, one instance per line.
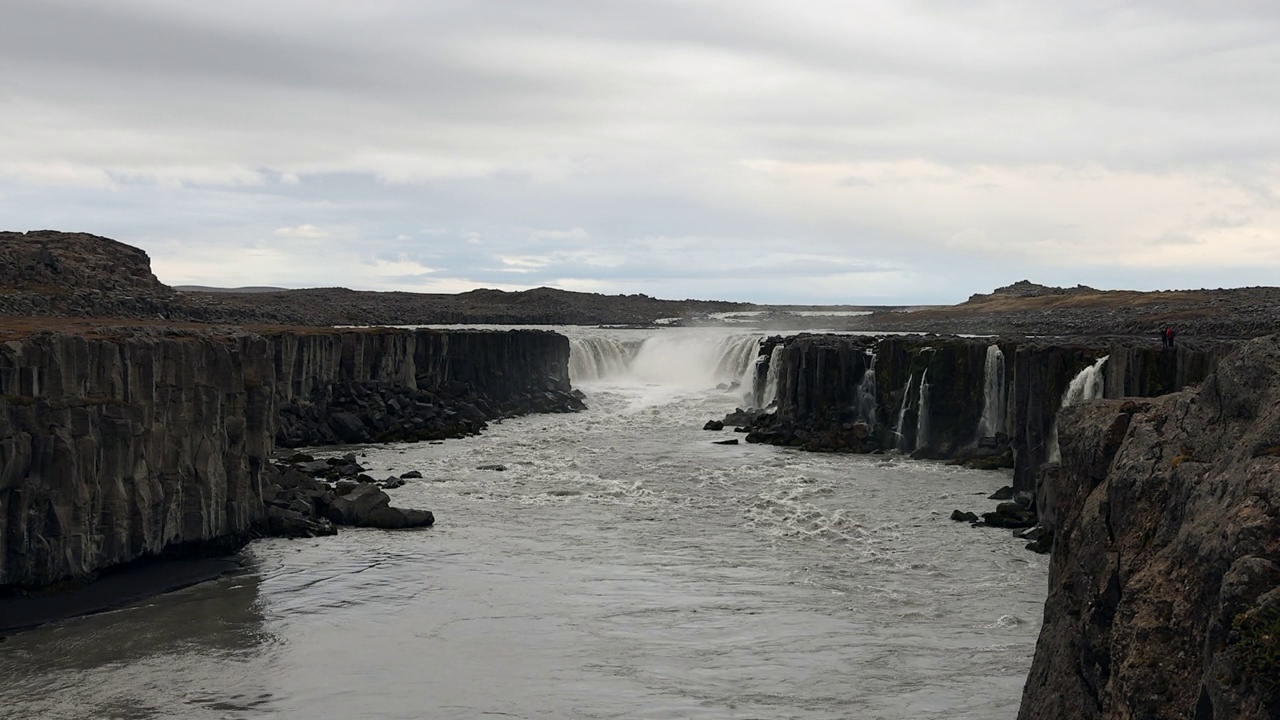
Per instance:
(740,149)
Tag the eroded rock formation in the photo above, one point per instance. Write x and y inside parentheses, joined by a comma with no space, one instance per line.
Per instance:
(1164,587)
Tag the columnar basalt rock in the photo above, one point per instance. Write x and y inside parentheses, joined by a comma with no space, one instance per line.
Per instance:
(1164,586)
(819,403)
(143,442)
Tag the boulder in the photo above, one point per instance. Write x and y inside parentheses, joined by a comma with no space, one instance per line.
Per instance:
(713,425)
(1010,515)
(349,427)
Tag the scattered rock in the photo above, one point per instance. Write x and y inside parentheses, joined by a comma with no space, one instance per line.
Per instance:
(411,475)
(960,516)
(496,467)
(734,441)
(713,425)
(1010,515)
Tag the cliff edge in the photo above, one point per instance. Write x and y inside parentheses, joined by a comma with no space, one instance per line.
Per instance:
(1164,586)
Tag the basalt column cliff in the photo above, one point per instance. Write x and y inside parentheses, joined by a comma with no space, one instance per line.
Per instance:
(1164,586)
(991,401)
(123,444)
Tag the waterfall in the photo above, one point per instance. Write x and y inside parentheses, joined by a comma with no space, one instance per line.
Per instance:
(922,414)
(595,358)
(994,398)
(902,417)
(696,360)
(769,394)
(1088,384)
(867,392)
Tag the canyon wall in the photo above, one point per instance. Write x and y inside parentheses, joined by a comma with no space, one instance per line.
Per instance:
(1164,585)
(928,395)
(116,447)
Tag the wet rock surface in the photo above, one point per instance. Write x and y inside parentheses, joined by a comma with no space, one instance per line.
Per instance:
(309,500)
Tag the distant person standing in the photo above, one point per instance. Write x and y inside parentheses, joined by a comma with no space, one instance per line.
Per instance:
(1164,336)
(1171,334)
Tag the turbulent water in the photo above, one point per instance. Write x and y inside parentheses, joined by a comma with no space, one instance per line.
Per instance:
(622,566)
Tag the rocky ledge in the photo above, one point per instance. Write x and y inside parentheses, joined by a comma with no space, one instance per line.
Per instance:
(1164,585)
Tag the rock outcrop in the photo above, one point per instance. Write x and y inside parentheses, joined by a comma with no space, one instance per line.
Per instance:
(145,443)
(1164,586)
(77,274)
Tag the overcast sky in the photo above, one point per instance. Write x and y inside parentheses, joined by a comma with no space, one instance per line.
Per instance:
(804,151)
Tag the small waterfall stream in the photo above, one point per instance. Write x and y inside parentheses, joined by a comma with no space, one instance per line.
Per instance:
(867,392)
(994,395)
(1088,384)
(922,413)
(769,393)
(902,417)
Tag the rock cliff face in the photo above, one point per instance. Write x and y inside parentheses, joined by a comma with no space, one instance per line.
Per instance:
(947,397)
(115,448)
(1164,586)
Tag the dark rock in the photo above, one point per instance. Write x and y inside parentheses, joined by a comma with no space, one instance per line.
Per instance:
(349,427)
(1164,536)
(960,516)
(713,425)
(494,466)
(411,475)
(1004,493)
(1009,515)
(314,467)
(351,507)
(733,441)
(291,523)
(301,457)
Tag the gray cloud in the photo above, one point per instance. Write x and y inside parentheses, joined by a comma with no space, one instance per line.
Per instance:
(882,150)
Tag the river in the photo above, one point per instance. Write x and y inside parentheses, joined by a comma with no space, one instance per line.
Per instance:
(619,566)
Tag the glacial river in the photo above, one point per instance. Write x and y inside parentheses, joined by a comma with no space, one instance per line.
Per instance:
(621,566)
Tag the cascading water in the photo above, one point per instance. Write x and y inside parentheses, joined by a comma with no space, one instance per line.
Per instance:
(994,397)
(902,418)
(867,392)
(1088,384)
(922,417)
(769,393)
(695,360)
(594,358)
